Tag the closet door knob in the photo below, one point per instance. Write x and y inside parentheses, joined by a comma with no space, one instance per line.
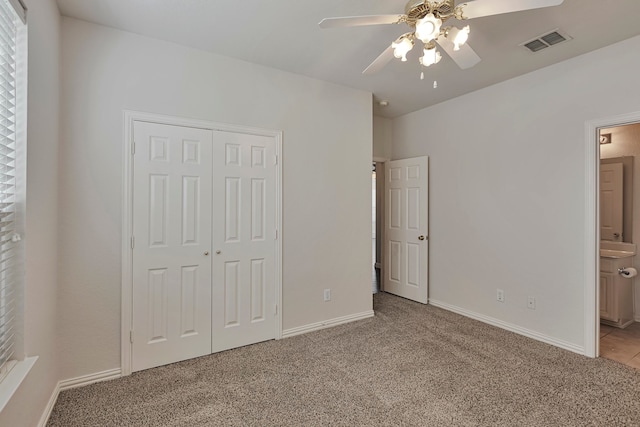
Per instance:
(218,252)
(206,253)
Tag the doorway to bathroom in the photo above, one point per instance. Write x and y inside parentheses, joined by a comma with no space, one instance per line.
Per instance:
(618,198)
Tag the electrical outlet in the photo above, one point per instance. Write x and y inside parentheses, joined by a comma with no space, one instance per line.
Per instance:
(327,294)
(500,295)
(531,303)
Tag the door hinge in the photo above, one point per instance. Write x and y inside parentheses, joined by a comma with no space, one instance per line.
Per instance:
(275,310)
(276,230)
(275,160)
(133,242)
(131,337)
(133,148)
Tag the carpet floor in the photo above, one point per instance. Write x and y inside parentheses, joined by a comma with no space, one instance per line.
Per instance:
(410,365)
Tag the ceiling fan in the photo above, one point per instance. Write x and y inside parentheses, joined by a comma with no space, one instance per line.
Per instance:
(426,18)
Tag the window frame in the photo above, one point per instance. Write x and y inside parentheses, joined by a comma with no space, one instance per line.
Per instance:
(16,369)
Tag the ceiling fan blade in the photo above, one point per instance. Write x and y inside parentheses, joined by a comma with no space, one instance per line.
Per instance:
(479,8)
(380,62)
(465,57)
(355,21)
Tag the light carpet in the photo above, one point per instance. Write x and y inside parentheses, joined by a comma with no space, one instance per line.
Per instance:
(410,365)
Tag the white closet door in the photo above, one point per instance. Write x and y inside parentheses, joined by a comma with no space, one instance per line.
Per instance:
(243,240)
(407,228)
(172,195)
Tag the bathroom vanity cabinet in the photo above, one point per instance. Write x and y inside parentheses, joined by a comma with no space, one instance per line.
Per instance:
(616,298)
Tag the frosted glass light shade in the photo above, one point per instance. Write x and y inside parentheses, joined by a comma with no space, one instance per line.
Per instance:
(401,48)
(428,28)
(430,57)
(458,36)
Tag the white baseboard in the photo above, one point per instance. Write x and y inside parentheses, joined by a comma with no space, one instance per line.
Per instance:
(47,410)
(510,327)
(110,374)
(73,383)
(326,324)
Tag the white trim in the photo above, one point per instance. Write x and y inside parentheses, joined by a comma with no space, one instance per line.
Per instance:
(381,219)
(591,244)
(46,414)
(617,324)
(81,381)
(592,230)
(199,124)
(110,374)
(127,252)
(20,8)
(127,214)
(636,309)
(278,255)
(20,169)
(509,327)
(14,378)
(326,324)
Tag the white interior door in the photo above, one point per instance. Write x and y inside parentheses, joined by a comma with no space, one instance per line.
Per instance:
(407,228)
(611,201)
(244,240)
(172,195)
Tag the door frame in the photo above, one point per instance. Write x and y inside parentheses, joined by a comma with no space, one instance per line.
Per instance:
(592,227)
(380,217)
(130,116)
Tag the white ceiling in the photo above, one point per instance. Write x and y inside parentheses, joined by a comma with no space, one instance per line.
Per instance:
(284,34)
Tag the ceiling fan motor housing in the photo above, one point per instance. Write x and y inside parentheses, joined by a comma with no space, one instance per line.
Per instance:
(418,9)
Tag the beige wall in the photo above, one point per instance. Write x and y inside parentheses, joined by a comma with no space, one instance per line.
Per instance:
(326,175)
(382,133)
(41,236)
(625,141)
(507,189)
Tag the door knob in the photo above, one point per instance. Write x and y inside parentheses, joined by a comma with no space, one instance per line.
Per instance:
(421,237)
(218,252)
(616,235)
(206,253)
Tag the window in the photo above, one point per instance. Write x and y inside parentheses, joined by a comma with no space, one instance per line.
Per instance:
(12,19)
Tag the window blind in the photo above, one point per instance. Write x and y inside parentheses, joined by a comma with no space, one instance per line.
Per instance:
(10,279)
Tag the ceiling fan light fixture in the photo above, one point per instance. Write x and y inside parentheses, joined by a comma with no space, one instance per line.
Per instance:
(428,28)
(425,19)
(458,36)
(430,56)
(401,47)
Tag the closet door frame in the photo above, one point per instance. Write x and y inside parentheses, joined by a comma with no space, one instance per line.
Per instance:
(128,146)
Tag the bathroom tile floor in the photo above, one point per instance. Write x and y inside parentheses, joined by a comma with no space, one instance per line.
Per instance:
(621,345)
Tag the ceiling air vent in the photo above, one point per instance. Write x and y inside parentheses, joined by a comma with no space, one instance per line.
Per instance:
(535,45)
(546,40)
